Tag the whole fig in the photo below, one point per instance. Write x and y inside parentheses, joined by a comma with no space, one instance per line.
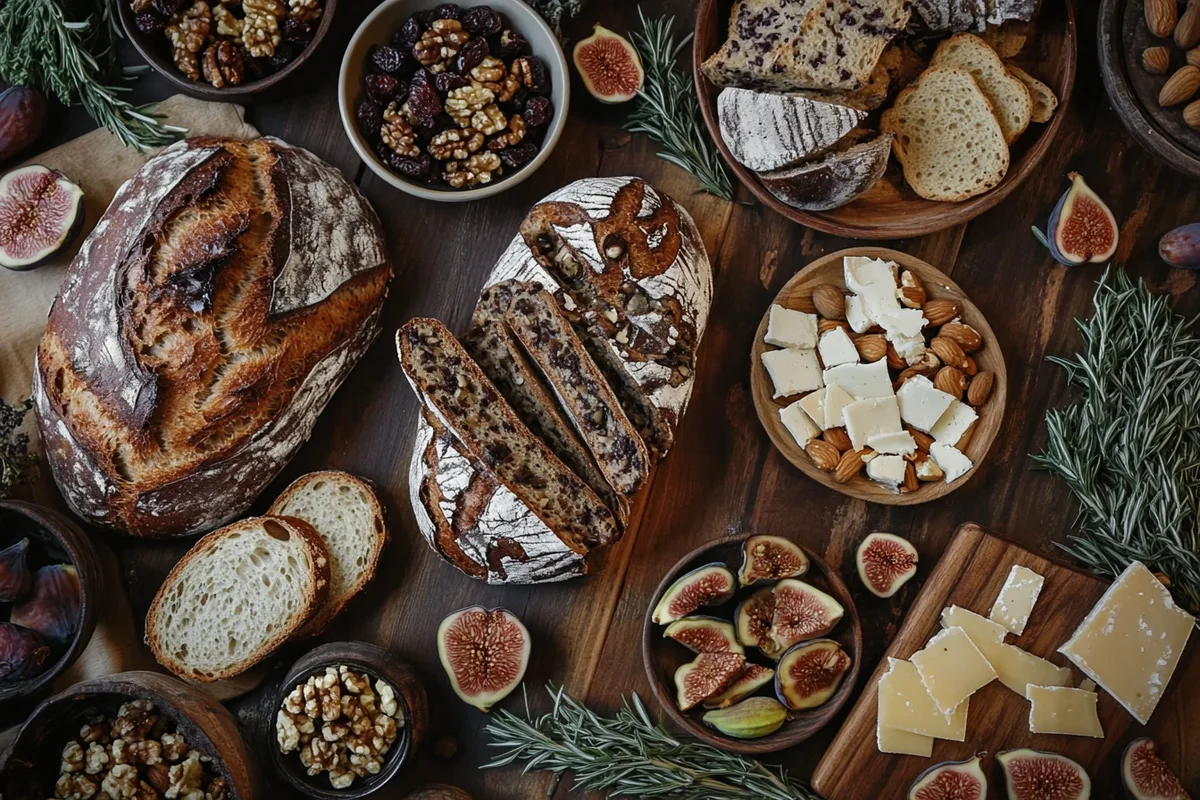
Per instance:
(52,610)
(22,119)
(1181,247)
(15,579)
(22,652)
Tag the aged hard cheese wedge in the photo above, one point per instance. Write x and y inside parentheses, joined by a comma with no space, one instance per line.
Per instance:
(1016,599)
(952,668)
(891,740)
(1061,709)
(905,705)
(1132,640)
(1016,668)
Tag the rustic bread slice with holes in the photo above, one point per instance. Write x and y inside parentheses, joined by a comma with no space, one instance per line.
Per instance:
(1043,97)
(1009,97)
(346,514)
(237,595)
(947,139)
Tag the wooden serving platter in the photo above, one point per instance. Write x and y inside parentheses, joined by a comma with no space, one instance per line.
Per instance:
(970,574)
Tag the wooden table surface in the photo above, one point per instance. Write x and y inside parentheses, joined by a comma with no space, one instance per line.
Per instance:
(723,477)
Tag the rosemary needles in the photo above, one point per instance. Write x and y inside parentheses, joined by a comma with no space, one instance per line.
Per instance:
(630,756)
(1130,448)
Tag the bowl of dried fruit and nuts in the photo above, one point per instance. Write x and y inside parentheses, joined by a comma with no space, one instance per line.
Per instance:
(225,49)
(450,102)
(874,374)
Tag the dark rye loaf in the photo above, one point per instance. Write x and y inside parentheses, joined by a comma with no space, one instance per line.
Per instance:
(207,320)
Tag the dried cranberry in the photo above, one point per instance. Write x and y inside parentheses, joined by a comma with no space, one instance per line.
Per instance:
(447,11)
(409,33)
(414,168)
(167,7)
(447,82)
(539,78)
(482,21)
(422,77)
(382,88)
(512,45)
(538,111)
(386,59)
(424,105)
(298,31)
(370,119)
(151,21)
(471,55)
(256,68)
(283,55)
(426,17)
(518,155)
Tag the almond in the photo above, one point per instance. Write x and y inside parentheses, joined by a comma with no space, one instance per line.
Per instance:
(971,368)
(1156,60)
(1187,30)
(948,351)
(872,347)
(912,293)
(951,381)
(928,471)
(1193,56)
(1180,87)
(963,335)
(981,388)
(830,301)
(850,465)
(1191,114)
(1161,16)
(924,440)
(826,325)
(824,455)
(802,302)
(838,438)
(893,358)
(911,484)
(941,310)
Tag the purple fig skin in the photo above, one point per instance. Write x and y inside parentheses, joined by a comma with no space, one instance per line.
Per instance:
(1055,253)
(1180,248)
(23,654)
(15,579)
(22,119)
(53,610)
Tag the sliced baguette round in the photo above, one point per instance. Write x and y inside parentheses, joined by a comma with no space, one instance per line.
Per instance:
(1010,99)
(347,515)
(237,595)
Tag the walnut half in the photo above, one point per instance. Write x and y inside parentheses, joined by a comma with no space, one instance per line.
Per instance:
(223,64)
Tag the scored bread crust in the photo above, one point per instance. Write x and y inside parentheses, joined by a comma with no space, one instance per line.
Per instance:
(316,564)
(378,537)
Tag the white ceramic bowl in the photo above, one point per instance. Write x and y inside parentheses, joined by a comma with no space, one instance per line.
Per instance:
(378,28)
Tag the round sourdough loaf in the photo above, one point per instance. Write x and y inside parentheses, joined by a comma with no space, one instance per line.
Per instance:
(218,304)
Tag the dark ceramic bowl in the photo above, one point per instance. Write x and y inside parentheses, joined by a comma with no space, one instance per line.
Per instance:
(54,540)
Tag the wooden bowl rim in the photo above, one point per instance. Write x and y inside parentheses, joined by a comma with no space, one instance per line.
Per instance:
(83,556)
(862,488)
(788,735)
(939,216)
(164,66)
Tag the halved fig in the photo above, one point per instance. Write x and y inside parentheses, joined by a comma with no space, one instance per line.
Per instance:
(885,563)
(1081,229)
(1147,776)
(802,612)
(709,585)
(951,780)
(41,213)
(1038,775)
(750,719)
(609,65)
(707,676)
(769,558)
(753,678)
(704,635)
(753,621)
(809,674)
(485,653)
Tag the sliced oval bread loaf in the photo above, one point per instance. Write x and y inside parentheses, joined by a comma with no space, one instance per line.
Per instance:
(346,514)
(1044,98)
(947,139)
(1009,97)
(238,594)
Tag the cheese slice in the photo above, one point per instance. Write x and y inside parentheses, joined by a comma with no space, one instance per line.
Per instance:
(793,371)
(1016,668)
(1132,640)
(836,347)
(952,668)
(902,323)
(866,418)
(836,400)
(905,705)
(813,404)
(862,380)
(921,403)
(1017,597)
(890,740)
(957,420)
(856,314)
(900,443)
(798,423)
(789,328)
(888,470)
(950,460)
(1063,710)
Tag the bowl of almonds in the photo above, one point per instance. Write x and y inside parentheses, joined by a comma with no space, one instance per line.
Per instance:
(874,374)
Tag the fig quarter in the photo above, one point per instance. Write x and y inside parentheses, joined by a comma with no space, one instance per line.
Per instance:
(54,605)
(15,579)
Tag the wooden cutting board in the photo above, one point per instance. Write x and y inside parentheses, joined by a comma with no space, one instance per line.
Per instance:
(970,574)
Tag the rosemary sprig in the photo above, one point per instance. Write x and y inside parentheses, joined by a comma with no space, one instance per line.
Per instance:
(17,465)
(1130,449)
(630,756)
(667,109)
(43,49)
(556,12)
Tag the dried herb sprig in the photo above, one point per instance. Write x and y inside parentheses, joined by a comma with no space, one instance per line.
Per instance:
(631,756)
(667,110)
(17,465)
(556,12)
(1130,449)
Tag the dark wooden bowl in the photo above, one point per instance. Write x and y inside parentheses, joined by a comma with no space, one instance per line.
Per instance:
(30,768)
(1121,35)
(378,663)
(663,656)
(156,49)
(57,540)
(890,210)
(828,269)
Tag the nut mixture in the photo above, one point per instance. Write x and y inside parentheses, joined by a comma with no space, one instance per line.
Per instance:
(455,98)
(1165,20)
(340,724)
(230,42)
(133,756)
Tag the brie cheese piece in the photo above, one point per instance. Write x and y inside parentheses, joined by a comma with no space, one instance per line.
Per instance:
(866,418)
(836,348)
(836,400)
(921,403)
(957,420)
(874,281)
(900,443)
(887,470)
(952,462)
(813,404)
(797,421)
(793,371)
(862,380)
(788,328)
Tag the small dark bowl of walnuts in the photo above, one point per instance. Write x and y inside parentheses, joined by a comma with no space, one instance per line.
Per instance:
(226,49)
(453,102)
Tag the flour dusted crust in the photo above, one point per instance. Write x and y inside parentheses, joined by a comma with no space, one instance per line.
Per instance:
(833,180)
(216,307)
(766,131)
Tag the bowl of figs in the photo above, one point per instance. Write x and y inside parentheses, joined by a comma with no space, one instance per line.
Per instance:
(49,584)
(752,643)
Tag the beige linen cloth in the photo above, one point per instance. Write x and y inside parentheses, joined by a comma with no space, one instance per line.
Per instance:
(99,163)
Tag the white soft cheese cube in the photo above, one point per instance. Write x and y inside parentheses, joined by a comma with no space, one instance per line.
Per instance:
(793,371)
(788,328)
(887,470)
(921,403)
(952,462)
(866,418)
(796,420)
(862,380)
(957,420)
(896,443)
(813,404)
(856,314)
(836,399)
(903,323)
(836,347)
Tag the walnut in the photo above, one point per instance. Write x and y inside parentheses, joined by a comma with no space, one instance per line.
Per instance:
(514,134)
(185,778)
(523,71)
(136,718)
(223,65)
(441,42)
(307,10)
(217,790)
(294,702)
(335,731)
(464,102)
(287,733)
(174,746)
(475,171)
(96,760)
(75,787)
(455,144)
(490,70)
(354,683)
(187,33)
(147,753)
(121,782)
(398,135)
(340,779)
(94,731)
(72,758)
(227,23)
(364,765)
(387,698)
(323,756)
(490,119)
(260,29)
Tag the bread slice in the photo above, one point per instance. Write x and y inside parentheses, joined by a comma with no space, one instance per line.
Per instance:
(834,180)
(1044,99)
(1010,99)
(346,514)
(947,138)
(238,594)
